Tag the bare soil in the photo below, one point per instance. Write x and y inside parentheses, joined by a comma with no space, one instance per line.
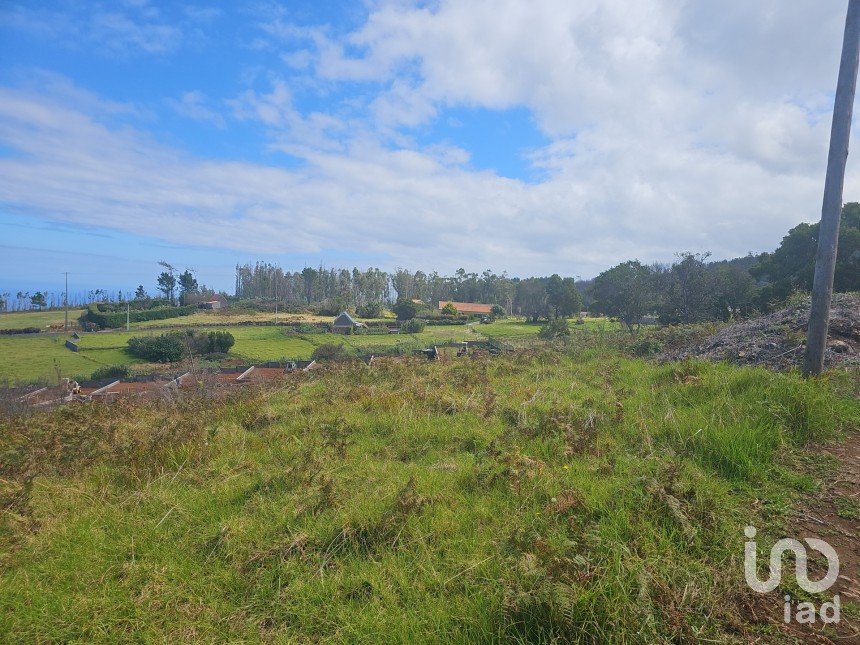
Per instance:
(833,515)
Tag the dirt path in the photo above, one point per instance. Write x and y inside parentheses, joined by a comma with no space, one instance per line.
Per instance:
(833,514)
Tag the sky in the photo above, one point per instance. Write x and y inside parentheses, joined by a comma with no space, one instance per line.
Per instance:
(539,137)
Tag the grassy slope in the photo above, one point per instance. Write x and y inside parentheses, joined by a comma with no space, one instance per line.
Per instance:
(37,357)
(526,497)
(40,319)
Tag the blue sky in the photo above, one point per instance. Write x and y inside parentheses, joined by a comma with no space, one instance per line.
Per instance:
(540,137)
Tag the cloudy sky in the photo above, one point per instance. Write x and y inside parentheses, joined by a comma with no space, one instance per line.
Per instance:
(531,136)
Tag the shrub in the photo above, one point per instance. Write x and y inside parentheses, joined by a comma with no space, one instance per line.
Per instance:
(370,310)
(497,311)
(23,330)
(220,342)
(645,346)
(167,348)
(111,371)
(329,352)
(555,328)
(405,309)
(450,309)
(413,326)
(100,314)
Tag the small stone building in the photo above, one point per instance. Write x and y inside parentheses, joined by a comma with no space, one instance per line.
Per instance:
(345,324)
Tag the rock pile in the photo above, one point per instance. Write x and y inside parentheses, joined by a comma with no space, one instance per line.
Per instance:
(778,340)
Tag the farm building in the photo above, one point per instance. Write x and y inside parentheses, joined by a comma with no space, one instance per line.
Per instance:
(345,324)
(468,308)
(212,304)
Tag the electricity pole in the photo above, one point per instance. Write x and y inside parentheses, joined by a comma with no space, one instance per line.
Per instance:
(66,303)
(831,210)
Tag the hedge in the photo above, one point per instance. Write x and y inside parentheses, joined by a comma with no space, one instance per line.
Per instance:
(23,330)
(118,318)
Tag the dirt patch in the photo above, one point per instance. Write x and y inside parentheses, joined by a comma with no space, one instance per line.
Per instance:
(833,515)
(778,340)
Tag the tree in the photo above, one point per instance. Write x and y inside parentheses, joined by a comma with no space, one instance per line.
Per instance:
(792,266)
(497,311)
(736,292)
(689,292)
(167,284)
(140,294)
(187,282)
(449,309)
(4,299)
(38,300)
(624,291)
(405,309)
(563,296)
(531,299)
(171,271)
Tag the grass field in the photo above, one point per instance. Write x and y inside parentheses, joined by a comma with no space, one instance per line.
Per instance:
(42,357)
(514,328)
(228,317)
(40,319)
(537,497)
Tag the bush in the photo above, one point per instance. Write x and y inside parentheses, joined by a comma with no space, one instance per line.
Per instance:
(101,316)
(220,342)
(413,326)
(555,328)
(497,311)
(450,309)
(329,352)
(645,346)
(111,371)
(405,309)
(167,348)
(370,310)
(23,330)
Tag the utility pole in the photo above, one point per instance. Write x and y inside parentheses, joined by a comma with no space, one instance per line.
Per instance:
(66,303)
(831,210)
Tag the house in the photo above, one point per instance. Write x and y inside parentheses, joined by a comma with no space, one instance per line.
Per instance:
(468,308)
(345,324)
(212,304)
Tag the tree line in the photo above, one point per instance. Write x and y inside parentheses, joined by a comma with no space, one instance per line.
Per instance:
(691,289)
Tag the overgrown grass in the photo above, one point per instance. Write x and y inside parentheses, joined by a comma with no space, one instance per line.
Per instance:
(528,498)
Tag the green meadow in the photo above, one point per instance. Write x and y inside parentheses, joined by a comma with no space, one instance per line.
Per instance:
(44,357)
(39,319)
(551,495)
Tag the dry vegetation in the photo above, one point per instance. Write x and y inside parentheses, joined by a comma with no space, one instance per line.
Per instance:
(549,494)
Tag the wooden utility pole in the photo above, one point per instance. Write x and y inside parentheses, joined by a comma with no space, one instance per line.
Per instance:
(66,302)
(831,210)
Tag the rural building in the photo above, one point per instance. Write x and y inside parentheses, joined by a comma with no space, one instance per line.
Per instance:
(345,324)
(468,308)
(212,304)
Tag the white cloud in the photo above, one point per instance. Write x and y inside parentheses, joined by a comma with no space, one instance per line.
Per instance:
(194,106)
(673,126)
(117,29)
